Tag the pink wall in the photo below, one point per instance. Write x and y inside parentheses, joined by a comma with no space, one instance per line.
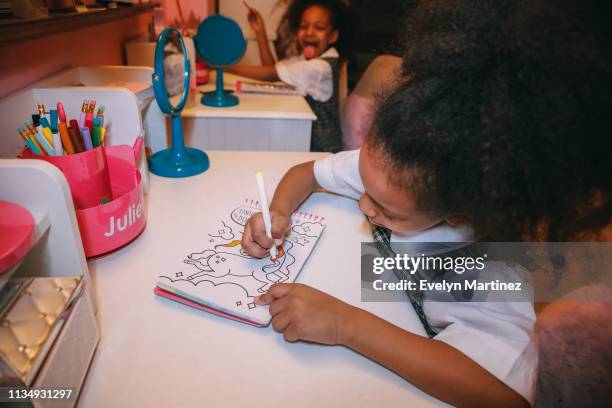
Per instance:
(27,62)
(199,8)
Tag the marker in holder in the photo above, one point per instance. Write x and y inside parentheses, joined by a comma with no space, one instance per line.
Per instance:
(107,191)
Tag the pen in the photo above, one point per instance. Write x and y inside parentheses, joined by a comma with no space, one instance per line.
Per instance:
(41,110)
(46,130)
(263,199)
(32,133)
(77,131)
(65,136)
(96,137)
(100,115)
(44,143)
(57,144)
(90,110)
(26,138)
(57,140)
(86,138)
(75,138)
(84,108)
(61,113)
(53,114)
(89,116)
(32,147)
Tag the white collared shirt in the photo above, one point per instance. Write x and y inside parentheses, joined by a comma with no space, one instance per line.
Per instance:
(496,335)
(312,77)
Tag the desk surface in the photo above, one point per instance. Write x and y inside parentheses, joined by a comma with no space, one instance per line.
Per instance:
(155,352)
(252,105)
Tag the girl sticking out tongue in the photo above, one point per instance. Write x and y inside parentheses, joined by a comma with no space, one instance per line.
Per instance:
(309,51)
(318,31)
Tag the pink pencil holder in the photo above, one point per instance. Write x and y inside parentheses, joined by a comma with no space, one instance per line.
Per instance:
(106,187)
(86,173)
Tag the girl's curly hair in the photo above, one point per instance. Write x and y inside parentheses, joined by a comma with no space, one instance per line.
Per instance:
(341,17)
(505,116)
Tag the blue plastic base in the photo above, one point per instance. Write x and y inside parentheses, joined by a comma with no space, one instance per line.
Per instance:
(219,99)
(165,163)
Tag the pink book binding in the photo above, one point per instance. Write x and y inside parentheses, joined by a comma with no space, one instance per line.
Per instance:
(176,298)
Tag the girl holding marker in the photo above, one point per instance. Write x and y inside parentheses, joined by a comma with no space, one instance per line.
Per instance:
(499,131)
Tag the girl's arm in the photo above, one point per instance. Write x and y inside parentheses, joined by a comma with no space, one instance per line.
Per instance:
(301,312)
(433,366)
(295,187)
(257,24)
(265,53)
(266,73)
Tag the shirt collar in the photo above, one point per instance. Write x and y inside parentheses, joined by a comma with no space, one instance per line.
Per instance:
(438,233)
(330,53)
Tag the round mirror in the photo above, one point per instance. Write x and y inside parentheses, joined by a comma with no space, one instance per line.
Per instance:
(171,77)
(220,43)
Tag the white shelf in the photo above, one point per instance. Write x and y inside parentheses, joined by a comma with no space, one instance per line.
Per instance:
(42,222)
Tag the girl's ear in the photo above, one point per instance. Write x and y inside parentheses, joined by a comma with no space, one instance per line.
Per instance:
(333,36)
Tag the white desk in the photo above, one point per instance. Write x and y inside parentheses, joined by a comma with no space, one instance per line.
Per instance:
(157,353)
(258,122)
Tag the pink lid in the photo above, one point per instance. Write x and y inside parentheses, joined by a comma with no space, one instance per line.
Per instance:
(16,234)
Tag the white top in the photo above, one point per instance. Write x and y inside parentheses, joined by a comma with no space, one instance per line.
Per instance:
(496,335)
(313,77)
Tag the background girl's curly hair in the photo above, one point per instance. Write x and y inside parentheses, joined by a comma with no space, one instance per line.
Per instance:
(340,15)
(505,115)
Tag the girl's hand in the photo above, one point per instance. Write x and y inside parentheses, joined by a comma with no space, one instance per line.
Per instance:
(255,19)
(254,239)
(301,312)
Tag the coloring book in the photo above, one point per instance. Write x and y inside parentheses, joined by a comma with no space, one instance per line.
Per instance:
(221,278)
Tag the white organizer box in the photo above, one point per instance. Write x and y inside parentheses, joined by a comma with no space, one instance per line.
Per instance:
(42,189)
(122,116)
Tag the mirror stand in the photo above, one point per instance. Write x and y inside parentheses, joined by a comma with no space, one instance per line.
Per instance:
(219,97)
(179,161)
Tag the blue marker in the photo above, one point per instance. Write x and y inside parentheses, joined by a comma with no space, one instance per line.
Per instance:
(44,123)
(57,140)
(53,114)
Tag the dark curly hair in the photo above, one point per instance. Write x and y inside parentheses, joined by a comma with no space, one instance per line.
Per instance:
(504,116)
(341,17)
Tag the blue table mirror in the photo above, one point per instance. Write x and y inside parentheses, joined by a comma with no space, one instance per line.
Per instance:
(171,77)
(220,43)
